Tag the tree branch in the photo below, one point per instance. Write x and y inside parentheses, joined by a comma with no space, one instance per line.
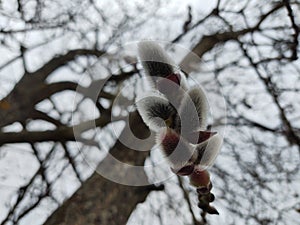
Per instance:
(62,133)
(61,60)
(208,42)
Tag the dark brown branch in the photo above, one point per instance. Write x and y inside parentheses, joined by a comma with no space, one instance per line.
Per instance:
(295,28)
(190,28)
(188,21)
(288,129)
(36,114)
(25,189)
(60,134)
(187,198)
(248,122)
(71,161)
(64,133)
(61,60)
(208,42)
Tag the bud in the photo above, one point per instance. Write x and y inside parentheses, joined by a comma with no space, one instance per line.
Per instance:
(181,134)
(212,210)
(211,197)
(178,151)
(184,171)
(203,190)
(203,205)
(200,178)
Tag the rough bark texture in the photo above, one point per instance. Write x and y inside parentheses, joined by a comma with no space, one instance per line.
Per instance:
(101,201)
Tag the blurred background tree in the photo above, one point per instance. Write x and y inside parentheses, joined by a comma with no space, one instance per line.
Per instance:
(248,48)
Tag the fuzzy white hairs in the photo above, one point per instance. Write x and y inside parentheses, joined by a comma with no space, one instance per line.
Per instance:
(177,113)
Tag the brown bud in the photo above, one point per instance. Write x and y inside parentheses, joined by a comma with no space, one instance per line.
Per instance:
(184,171)
(202,205)
(208,197)
(178,151)
(169,141)
(204,198)
(200,178)
(205,135)
(211,197)
(203,190)
(212,210)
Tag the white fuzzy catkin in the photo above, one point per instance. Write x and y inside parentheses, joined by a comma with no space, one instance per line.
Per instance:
(208,150)
(161,104)
(193,111)
(155,60)
(154,110)
(157,63)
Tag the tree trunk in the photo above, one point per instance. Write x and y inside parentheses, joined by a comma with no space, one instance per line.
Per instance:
(101,201)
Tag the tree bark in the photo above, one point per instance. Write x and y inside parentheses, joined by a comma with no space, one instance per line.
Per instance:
(101,201)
